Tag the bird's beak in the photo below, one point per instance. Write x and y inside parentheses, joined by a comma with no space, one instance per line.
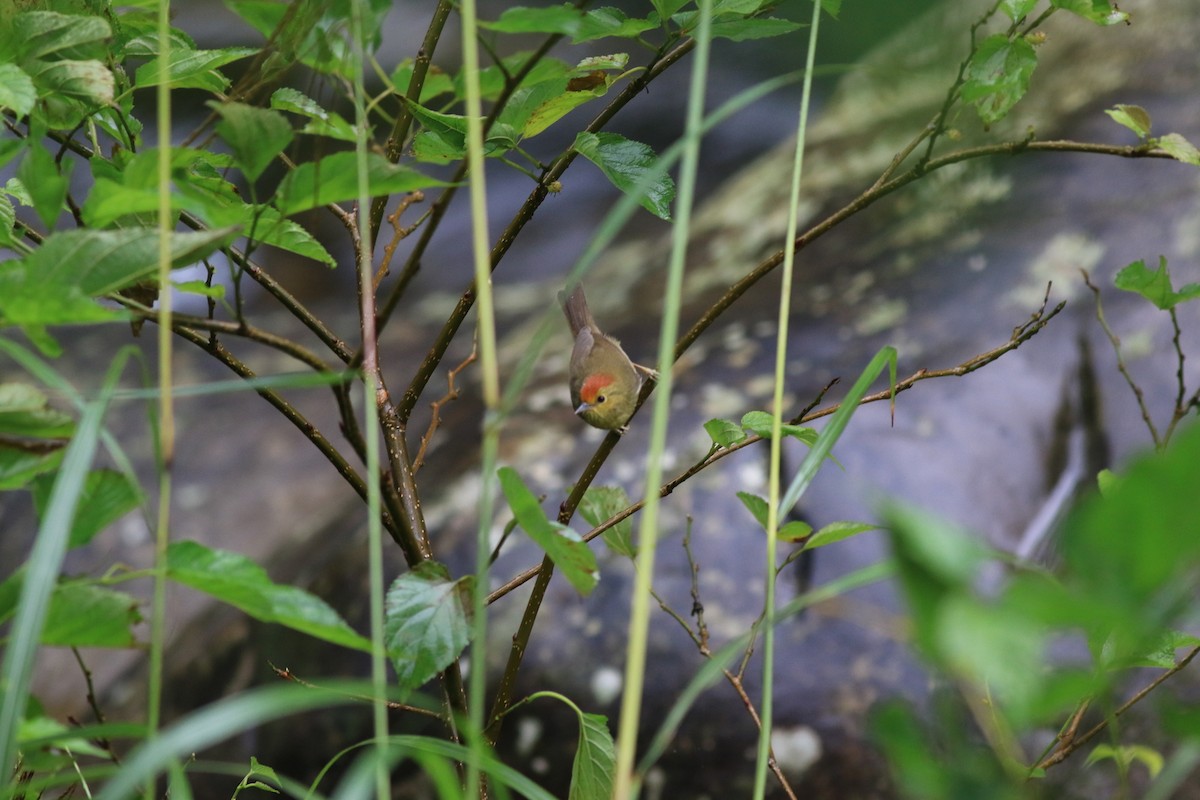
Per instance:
(582,408)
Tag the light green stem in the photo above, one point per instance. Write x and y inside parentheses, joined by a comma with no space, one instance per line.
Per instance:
(639,622)
(766,708)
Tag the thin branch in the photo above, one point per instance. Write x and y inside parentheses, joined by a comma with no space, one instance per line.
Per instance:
(436,418)
(1071,745)
(1116,345)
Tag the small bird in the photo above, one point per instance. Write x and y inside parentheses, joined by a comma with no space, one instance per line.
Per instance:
(604,381)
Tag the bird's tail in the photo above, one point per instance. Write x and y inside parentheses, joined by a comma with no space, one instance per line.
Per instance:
(576,308)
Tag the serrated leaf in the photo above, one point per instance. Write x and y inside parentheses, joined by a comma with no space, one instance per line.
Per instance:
(256,135)
(16,90)
(191,69)
(997,76)
(564,546)
(724,432)
(757,507)
(426,622)
(238,581)
(1136,118)
(836,532)
(107,495)
(594,767)
(1101,12)
(1162,655)
(1179,148)
(40,33)
(334,179)
(632,168)
(322,122)
(834,7)
(84,615)
(600,504)
(86,80)
(55,284)
(8,221)
(1154,285)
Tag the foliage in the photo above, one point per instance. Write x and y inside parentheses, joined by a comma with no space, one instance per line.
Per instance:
(84,245)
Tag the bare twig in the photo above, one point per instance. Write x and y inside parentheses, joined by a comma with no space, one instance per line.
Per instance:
(436,420)
(1116,345)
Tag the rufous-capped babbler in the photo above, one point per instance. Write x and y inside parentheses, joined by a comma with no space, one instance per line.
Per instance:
(604,382)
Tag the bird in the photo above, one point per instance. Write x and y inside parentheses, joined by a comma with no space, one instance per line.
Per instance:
(603,380)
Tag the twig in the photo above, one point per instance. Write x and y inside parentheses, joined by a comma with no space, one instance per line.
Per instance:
(436,405)
(1116,345)
(283,673)
(1071,745)
(399,232)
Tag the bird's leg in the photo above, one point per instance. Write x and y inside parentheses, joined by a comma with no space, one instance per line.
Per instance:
(647,372)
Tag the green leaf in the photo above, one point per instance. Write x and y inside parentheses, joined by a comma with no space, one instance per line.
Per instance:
(47,186)
(19,466)
(836,532)
(564,546)
(935,561)
(794,531)
(238,581)
(106,496)
(1126,755)
(436,83)
(84,615)
(724,432)
(216,291)
(1179,148)
(1154,286)
(834,7)
(602,503)
(741,29)
(1017,9)
(334,179)
(55,283)
(322,123)
(568,20)
(256,135)
(667,8)
(16,90)
(8,220)
(759,423)
(1137,586)
(1136,118)
(998,75)
(1106,481)
(757,507)
(41,33)
(25,412)
(631,167)
(88,81)
(427,622)
(1162,654)
(1101,12)
(595,762)
(191,69)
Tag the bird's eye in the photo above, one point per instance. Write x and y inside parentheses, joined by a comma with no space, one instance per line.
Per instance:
(599,398)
